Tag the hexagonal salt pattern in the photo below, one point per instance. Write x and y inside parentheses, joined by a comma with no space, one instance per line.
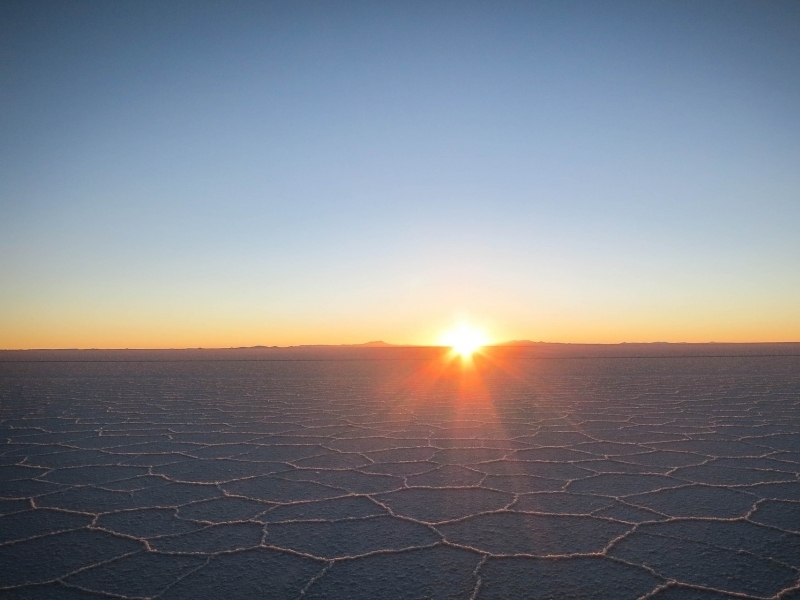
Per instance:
(670,479)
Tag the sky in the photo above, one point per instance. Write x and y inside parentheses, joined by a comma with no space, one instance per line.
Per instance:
(276,173)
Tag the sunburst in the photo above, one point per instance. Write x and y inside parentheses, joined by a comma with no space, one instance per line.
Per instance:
(465,340)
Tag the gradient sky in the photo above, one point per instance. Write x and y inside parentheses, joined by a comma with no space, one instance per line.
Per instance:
(225,174)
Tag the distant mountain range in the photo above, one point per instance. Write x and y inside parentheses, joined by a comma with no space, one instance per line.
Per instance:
(382,344)
(509,343)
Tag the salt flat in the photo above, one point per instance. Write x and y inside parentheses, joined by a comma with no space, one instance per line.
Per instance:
(659,472)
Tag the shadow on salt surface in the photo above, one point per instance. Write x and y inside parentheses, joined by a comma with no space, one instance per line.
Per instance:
(778,441)
(22,562)
(554,438)
(135,484)
(283,453)
(561,503)
(212,539)
(259,573)
(550,454)
(719,475)
(31,523)
(696,501)
(439,572)
(19,472)
(350,507)
(551,470)
(733,535)
(775,491)
(222,451)
(29,488)
(540,535)
(713,447)
(447,476)
(221,510)
(468,456)
(609,449)
(558,579)
(93,475)
(349,480)
(89,499)
(432,505)
(621,484)
(683,593)
(218,470)
(666,458)
(622,511)
(146,523)
(778,513)
(338,460)
(8,507)
(722,569)
(603,466)
(522,483)
(141,575)
(52,591)
(373,444)
(350,537)
(400,469)
(280,490)
(402,455)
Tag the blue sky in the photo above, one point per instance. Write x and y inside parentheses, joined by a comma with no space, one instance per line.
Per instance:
(299,172)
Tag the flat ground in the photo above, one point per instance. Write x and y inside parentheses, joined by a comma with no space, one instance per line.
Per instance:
(399,474)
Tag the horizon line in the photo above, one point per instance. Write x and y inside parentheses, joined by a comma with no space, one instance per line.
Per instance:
(386,345)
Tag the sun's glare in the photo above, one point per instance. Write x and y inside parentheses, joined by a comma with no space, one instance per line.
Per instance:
(465,340)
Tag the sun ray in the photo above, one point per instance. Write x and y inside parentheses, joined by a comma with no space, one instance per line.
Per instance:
(465,340)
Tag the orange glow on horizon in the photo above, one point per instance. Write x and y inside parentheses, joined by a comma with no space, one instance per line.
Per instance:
(465,340)
(115,326)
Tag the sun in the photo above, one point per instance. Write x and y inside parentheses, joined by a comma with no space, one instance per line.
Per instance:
(464,340)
